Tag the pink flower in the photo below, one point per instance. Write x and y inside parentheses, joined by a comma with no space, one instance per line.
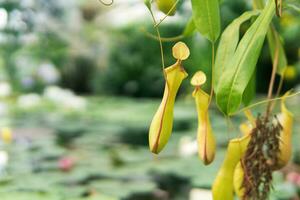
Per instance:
(65,164)
(294,178)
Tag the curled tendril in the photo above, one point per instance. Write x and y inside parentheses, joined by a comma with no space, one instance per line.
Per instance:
(106,4)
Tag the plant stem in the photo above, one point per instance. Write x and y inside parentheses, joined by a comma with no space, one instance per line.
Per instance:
(278,7)
(171,9)
(258,4)
(160,42)
(278,91)
(271,85)
(212,72)
(264,102)
(163,39)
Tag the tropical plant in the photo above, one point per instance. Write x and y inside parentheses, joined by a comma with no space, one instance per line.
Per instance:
(266,142)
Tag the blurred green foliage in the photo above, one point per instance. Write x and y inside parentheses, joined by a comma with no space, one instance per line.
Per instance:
(134,66)
(109,144)
(92,56)
(111,156)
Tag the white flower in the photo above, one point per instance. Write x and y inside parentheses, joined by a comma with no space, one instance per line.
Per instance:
(187,146)
(57,94)
(200,194)
(27,3)
(16,21)
(29,39)
(3,160)
(4,110)
(28,101)
(48,73)
(76,103)
(3,18)
(64,98)
(5,89)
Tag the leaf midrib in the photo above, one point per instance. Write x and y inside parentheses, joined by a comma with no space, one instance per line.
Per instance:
(238,69)
(209,20)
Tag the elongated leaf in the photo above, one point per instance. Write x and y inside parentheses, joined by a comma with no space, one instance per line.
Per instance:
(206,15)
(235,78)
(250,90)
(273,41)
(189,29)
(228,43)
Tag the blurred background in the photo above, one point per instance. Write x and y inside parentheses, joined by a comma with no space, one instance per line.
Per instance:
(79,84)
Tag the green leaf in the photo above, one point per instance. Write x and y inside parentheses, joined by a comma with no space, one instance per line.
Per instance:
(206,15)
(274,40)
(228,43)
(235,78)
(250,90)
(166,6)
(294,7)
(189,29)
(148,4)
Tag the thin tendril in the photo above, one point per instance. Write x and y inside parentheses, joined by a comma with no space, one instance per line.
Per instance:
(212,72)
(106,4)
(163,39)
(160,42)
(230,126)
(168,13)
(265,101)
